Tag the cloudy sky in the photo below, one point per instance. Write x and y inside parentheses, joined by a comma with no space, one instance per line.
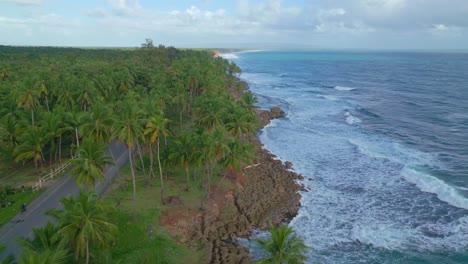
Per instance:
(376,24)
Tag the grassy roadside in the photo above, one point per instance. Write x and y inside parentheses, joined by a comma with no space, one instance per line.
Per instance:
(15,176)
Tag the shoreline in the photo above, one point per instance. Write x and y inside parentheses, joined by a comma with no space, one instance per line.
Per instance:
(267,192)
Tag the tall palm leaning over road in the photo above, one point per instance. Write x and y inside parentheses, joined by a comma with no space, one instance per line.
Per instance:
(90,163)
(283,246)
(45,247)
(128,129)
(155,127)
(84,223)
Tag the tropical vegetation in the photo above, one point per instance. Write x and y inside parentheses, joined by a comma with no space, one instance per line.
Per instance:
(169,107)
(283,246)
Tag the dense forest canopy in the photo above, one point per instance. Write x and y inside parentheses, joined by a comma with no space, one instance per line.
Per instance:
(55,97)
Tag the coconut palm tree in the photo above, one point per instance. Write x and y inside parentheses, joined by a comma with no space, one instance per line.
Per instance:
(89,166)
(51,123)
(239,152)
(28,98)
(284,246)
(181,153)
(75,119)
(84,223)
(128,129)
(240,123)
(249,101)
(97,125)
(45,247)
(31,144)
(155,127)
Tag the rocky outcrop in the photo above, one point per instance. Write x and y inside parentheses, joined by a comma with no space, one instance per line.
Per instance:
(276,112)
(268,196)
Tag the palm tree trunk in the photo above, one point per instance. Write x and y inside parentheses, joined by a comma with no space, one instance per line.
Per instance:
(151,172)
(188,174)
(47,104)
(87,251)
(50,153)
(134,182)
(60,149)
(32,117)
(77,138)
(161,176)
(141,159)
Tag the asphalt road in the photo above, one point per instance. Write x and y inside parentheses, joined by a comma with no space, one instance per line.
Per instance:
(22,224)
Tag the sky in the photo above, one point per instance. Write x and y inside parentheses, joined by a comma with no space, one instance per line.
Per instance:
(329,24)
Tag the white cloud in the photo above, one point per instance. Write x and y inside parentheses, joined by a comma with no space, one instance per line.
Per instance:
(440,27)
(126,7)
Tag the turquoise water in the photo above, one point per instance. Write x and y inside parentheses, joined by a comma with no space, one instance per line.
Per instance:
(382,139)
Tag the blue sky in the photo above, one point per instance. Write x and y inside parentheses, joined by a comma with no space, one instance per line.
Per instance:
(367,24)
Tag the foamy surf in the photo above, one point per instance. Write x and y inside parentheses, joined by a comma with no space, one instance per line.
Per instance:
(351,120)
(229,56)
(431,184)
(344,88)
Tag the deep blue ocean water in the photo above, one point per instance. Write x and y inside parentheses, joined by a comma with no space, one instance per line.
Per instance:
(382,139)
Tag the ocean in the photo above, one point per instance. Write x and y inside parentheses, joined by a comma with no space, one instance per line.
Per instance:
(382,141)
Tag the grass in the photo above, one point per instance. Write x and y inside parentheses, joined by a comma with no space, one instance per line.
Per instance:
(146,241)
(14,175)
(7,213)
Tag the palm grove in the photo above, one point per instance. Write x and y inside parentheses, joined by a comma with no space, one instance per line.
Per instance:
(169,107)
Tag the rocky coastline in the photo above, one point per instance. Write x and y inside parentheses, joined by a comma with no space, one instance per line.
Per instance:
(266,193)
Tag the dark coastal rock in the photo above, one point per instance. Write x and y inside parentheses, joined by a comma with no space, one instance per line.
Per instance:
(288,165)
(276,112)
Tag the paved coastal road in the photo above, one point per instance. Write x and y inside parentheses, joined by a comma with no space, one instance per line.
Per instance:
(65,186)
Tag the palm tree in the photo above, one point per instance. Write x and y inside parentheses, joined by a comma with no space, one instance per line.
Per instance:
(249,101)
(28,98)
(129,130)
(51,123)
(30,146)
(90,164)
(84,222)
(45,247)
(66,96)
(98,123)
(182,154)
(44,92)
(74,119)
(238,153)
(241,122)
(155,127)
(284,246)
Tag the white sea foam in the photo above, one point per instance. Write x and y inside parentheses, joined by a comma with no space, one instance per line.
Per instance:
(344,88)
(352,120)
(431,184)
(381,235)
(229,56)
(328,97)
